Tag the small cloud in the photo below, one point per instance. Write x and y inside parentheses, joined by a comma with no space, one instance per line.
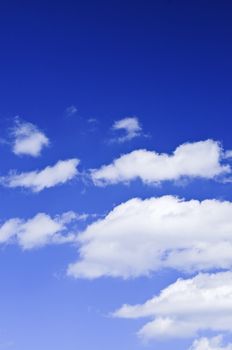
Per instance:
(92,121)
(27,139)
(42,229)
(130,127)
(228,154)
(92,124)
(215,343)
(38,231)
(71,111)
(38,180)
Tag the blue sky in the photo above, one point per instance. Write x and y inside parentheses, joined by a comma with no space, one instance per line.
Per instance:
(102,103)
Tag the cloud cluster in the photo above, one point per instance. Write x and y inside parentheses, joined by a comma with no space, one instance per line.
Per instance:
(130,126)
(28,139)
(141,236)
(186,308)
(39,231)
(61,172)
(215,343)
(201,159)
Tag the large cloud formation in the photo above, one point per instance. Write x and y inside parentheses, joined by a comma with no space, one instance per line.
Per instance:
(141,236)
(198,159)
(187,307)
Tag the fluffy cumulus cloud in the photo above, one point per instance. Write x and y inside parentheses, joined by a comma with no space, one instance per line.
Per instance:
(130,126)
(214,343)
(198,159)
(40,230)
(28,139)
(185,308)
(61,172)
(141,236)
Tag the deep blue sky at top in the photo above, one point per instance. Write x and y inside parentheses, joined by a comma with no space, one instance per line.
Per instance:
(169,62)
(166,62)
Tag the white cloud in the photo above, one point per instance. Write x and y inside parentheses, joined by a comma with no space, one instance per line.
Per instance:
(130,126)
(28,139)
(185,308)
(197,159)
(214,343)
(61,172)
(141,236)
(228,154)
(8,228)
(40,230)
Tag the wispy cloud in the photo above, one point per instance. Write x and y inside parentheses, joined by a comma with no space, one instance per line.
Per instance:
(71,111)
(92,121)
(27,139)
(129,126)
(38,180)
(228,154)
